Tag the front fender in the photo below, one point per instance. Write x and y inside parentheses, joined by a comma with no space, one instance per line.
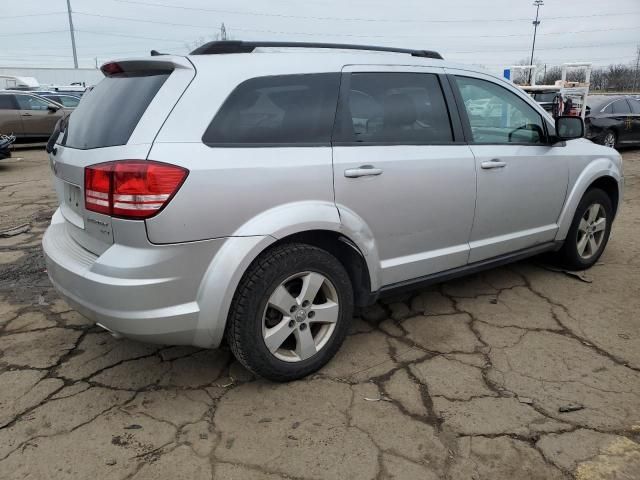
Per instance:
(232,260)
(602,167)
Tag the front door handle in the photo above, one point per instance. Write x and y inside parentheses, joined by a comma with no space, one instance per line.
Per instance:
(26,115)
(495,163)
(362,171)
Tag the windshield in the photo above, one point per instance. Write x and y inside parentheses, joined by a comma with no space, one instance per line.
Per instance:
(110,111)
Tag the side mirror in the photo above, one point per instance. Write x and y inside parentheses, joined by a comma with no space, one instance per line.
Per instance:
(568,128)
(52,108)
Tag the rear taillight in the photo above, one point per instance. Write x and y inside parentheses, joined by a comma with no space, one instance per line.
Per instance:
(133,189)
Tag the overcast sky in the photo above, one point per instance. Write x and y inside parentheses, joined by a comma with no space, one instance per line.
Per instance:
(494,33)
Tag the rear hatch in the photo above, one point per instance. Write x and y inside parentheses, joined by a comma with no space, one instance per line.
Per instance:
(117,119)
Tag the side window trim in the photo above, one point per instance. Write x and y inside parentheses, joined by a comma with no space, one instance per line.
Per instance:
(466,123)
(345,88)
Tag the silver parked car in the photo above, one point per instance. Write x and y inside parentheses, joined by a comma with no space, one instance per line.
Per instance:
(259,194)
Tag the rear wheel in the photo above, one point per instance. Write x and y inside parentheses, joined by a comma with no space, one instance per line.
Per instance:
(589,231)
(291,312)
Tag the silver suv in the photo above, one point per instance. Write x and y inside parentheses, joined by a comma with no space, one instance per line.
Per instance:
(259,191)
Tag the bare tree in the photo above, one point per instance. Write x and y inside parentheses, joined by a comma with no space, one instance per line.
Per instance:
(521,77)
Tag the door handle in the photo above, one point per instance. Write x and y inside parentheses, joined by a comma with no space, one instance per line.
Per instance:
(26,115)
(495,163)
(362,171)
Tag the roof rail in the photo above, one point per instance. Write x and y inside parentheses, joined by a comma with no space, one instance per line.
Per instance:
(238,46)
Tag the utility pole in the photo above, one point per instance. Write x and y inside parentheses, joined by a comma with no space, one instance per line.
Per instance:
(536,22)
(635,75)
(73,37)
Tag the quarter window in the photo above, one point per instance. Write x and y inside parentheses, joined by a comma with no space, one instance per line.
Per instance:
(394,108)
(498,116)
(277,110)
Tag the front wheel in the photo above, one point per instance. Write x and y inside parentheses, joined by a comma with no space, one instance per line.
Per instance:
(589,231)
(610,139)
(291,312)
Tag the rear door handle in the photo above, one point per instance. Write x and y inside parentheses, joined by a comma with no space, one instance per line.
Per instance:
(362,171)
(26,115)
(495,163)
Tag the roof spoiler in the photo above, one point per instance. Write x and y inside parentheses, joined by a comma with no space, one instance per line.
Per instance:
(238,46)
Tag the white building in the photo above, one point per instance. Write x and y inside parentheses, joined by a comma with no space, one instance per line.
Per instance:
(55,76)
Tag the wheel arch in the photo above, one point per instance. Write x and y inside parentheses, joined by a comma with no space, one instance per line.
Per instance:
(346,251)
(601,173)
(610,186)
(314,223)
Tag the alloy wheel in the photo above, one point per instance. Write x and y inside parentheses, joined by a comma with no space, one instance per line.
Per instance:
(610,140)
(300,316)
(591,231)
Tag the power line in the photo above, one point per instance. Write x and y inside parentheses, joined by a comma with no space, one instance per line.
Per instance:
(6,17)
(111,34)
(355,19)
(32,33)
(501,50)
(283,32)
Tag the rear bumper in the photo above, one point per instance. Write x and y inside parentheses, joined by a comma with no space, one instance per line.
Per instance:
(146,293)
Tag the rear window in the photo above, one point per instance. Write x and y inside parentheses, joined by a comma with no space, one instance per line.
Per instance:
(282,110)
(544,96)
(110,111)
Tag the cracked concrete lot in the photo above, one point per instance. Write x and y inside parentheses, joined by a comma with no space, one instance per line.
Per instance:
(465,380)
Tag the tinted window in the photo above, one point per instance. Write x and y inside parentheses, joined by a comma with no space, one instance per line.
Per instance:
(620,107)
(635,105)
(110,112)
(7,103)
(608,109)
(497,115)
(278,110)
(28,102)
(394,108)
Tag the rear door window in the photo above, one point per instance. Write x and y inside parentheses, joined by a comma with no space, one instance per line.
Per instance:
(283,110)
(109,113)
(7,102)
(635,105)
(621,107)
(393,108)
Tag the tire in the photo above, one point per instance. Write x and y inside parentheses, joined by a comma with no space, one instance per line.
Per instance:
(261,307)
(610,139)
(576,252)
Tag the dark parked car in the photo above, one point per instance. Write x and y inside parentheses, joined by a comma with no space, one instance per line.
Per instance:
(613,120)
(29,117)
